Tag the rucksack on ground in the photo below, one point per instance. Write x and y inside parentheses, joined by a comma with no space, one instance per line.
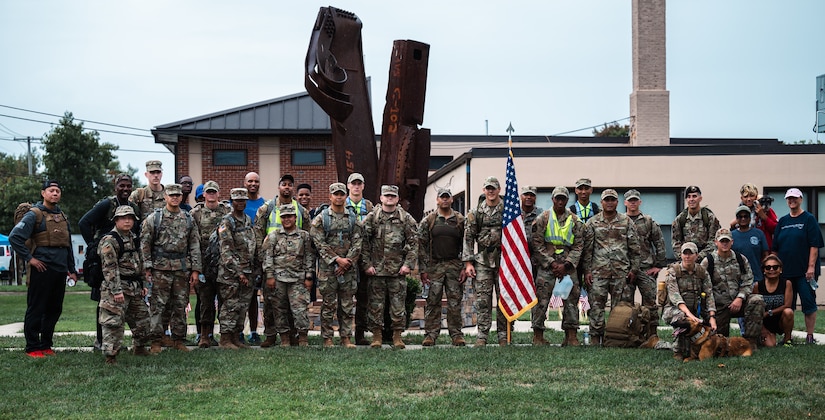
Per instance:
(627,325)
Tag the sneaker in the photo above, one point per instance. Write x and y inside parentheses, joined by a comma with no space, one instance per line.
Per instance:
(49,352)
(241,338)
(37,354)
(810,339)
(254,339)
(788,344)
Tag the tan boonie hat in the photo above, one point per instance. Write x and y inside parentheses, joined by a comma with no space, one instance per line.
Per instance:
(287,210)
(689,246)
(444,191)
(632,194)
(389,190)
(336,187)
(171,189)
(239,194)
(355,176)
(153,165)
(124,211)
(583,181)
(723,233)
(561,191)
(610,192)
(529,189)
(211,185)
(492,181)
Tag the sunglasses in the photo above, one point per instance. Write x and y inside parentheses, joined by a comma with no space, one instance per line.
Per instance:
(771,267)
(743,216)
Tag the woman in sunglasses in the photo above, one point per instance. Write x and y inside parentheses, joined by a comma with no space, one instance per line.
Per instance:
(777,294)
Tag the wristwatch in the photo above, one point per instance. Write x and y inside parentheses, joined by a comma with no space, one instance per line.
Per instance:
(770,312)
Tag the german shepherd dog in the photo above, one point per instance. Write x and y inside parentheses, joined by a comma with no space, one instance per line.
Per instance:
(705,344)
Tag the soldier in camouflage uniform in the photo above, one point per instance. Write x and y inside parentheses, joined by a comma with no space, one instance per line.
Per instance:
(652,257)
(689,295)
(557,243)
(483,226)
(390,253)
(170,248)
(337,237)
(440,236)
(206,216)
(529,210)
(150,197)
(695,224)
(611,259)
(361,207)
(122,290)
(733,289)
(288,264)
(238,248)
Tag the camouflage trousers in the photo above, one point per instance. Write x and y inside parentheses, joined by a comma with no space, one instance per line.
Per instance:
(207,292)
(394,288)
(133,311)
(170,293)
(291,298)
(337,300)
(362,302)
(444,280)
(485,283)
(545,282)
(647,288)
(753,310)
(235,298)
(270,314)
(598,300)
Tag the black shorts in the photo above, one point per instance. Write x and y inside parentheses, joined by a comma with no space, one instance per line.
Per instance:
(771,323)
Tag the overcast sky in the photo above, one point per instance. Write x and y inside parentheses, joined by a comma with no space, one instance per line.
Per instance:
(736,68)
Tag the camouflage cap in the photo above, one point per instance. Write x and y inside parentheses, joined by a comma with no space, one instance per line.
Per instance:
(529,189)
(492,181)
(630,194)
(172,189)
(561,191)
(743,209)
(355,176)
(287,210)
(610,192)
(211,185)
(124,211)
(689,246)
(154,165)
(239,194)
(337,187)
(444,191)
(389,190)
(692,189)
(723,233)
(583,181)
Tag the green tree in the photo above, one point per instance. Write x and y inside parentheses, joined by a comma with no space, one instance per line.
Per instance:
(16,186)
(83,165)
(612,130)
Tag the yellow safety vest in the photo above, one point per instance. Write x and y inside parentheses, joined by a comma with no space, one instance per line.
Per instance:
(275,217)
(557,234)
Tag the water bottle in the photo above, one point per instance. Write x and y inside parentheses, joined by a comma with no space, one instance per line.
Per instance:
(70,281)
(201,278)
(586,337)
(814,285)
(426,293)
(148,292)
(563,287)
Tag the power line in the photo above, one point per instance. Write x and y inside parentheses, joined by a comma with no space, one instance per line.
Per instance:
(79,119)
(87,129)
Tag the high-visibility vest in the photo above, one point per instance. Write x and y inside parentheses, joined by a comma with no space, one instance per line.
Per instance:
(557,234)
(275,217)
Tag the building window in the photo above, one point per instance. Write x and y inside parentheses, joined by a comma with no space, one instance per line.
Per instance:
(437,162)
(305,157)
(229,157)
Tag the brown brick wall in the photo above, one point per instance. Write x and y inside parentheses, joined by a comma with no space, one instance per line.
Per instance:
(318,176)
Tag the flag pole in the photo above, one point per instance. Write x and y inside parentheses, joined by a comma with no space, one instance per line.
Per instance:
(510,151)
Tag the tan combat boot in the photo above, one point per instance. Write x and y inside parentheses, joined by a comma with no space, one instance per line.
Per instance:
(226,342)
(270,341)
(204,340)
(345,343)
(285,340)
(236,340)
(397,342)
(428,341)
(156,347)
(328,342)
(178,345)
(458,341)
(377,339)
(480,342)
(503,342)
(570,338)
(538,337)
(293,338)
(302,339)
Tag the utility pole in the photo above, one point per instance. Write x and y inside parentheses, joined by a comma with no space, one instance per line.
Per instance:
(29,144)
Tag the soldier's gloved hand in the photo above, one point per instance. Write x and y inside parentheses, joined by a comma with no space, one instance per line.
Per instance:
(425,279)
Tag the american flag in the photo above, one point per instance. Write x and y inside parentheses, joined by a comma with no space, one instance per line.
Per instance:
(517,291)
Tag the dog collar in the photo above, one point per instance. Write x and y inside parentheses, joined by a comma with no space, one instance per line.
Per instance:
(698,335)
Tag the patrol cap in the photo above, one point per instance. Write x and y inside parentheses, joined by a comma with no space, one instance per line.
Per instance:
(389,190)
(492,181)
(583,181)
(793,192)
(355,176)
(610,192)
(723,233)
(199,191)
(692,189)
(50,183)
(632,194)
(124,211)
(287,210)
(529,189)
(561,191)
(743,208)
(239,194)
(211,186)
(689,246)
(286,177)
(172,189)
(153,165)
(337,187)
(444,191)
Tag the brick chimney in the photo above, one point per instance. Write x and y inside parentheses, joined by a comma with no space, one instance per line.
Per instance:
(650,100)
